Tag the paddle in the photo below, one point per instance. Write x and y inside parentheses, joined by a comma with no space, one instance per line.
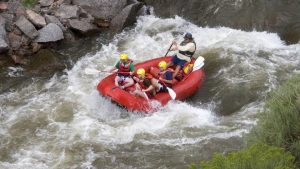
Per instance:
(168,50)
(170,91)
(94,71)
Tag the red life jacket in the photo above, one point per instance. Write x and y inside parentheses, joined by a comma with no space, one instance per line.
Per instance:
(124,68)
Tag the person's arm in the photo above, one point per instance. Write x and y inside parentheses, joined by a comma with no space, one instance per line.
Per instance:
(150,88)
(131,68)
(116,68)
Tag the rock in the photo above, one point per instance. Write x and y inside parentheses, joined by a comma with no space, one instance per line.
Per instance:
(53,19)
(18,59)
(50,33)
(20,11)
(67,12)
(35,18)
(45,3)
(3,6)
(27,27)
(102,9)
(126,17)
(36,47)
(83,27)
(102,23)
(3,42)
(14,40)
(9,19)
(45,63)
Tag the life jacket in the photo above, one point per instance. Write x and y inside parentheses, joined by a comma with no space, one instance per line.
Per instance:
(187,53)
(124,68)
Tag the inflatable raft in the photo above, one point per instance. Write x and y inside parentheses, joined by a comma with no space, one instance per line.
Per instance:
(183,88)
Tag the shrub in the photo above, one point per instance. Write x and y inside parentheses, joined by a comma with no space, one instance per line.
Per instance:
(279,123)
(258,156)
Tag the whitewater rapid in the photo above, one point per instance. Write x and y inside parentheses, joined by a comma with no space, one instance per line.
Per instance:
(63,122)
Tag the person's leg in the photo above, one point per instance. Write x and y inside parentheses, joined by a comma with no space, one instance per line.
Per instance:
(128,82)
(138,92)
(176,71)
(117,79)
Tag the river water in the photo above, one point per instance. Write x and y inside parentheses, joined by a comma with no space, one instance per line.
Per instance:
(63,122)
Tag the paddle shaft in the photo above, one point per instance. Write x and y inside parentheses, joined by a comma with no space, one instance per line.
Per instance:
(168,49)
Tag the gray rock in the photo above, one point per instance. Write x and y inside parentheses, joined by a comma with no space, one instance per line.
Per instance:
(50,33)
(15,41)
(127,17)
(35,18)
(83,27)
(67,12)
(3,43)
(102,9)
(53,19)
(27,27)
(9,19)
(46,2)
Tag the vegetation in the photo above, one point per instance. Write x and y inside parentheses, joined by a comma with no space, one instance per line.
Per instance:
(29,3)
(258,156)
(274,143)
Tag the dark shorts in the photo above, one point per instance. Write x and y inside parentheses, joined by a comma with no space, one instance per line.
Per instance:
(177,61)
(163,88)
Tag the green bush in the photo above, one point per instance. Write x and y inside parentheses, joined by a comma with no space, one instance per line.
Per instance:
(29,3)
(279,123)
(258,156)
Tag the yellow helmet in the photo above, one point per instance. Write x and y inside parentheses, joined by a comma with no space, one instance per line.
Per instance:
(123,56)
(187,69)
(141,72)
(162,65)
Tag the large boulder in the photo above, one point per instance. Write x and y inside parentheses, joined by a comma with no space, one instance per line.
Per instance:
(53,19)
(3,43)
(82,26)
(50,33)
(102,9)
(127,17)
(67,11)
(27,27)
(35,18)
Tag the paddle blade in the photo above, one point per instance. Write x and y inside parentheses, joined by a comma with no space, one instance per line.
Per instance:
(199,63)
(172,93)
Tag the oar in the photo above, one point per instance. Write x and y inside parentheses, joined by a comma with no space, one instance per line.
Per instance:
(170,91)
(199,63)
(168,49)
(94,71)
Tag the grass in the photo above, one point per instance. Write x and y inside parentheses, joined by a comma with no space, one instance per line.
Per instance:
(257,156)
(29,3)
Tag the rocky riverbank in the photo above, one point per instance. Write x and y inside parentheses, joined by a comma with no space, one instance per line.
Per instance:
(27,28)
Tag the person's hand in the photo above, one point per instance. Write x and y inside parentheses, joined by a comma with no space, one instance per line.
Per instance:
(174,42)
(160,78)
(131,73)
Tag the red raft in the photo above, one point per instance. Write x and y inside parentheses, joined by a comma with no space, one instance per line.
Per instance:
(183,89)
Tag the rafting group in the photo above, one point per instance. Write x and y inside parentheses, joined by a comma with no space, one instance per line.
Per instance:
(147,82)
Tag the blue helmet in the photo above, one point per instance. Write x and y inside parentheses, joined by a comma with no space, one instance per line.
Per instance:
(188,36)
